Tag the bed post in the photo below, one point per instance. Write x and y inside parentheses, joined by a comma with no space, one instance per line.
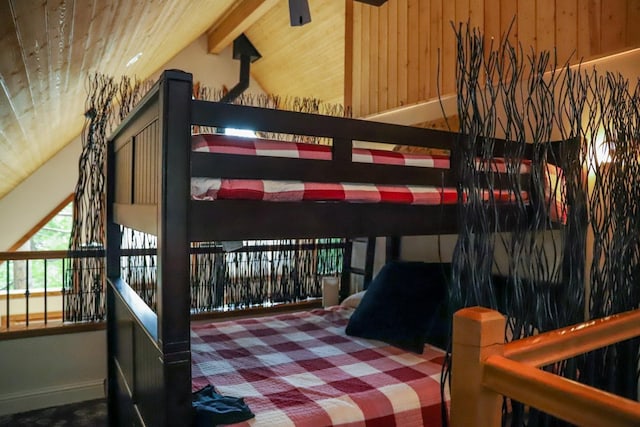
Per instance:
(173,273)
(477,333)
(113,272)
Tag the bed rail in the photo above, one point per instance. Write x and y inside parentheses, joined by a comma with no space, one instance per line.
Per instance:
(486,369)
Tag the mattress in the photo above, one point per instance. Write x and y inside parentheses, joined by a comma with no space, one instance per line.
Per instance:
(302,369)
(224,144)
(281,191)
(270,190)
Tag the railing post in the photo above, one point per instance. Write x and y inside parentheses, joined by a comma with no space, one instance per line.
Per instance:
(477,333)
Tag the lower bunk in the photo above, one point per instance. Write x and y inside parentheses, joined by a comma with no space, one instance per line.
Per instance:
(369,361)
(302,369)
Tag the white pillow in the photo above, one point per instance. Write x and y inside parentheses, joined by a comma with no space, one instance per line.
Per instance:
(352,301)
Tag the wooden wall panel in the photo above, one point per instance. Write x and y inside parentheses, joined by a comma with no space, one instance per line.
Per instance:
(633,22)
(308,60)
(544,24)
(584,28)
(508,19)
(435,42)
(383,53)
(613,24)
(566,29)
(413,52)
(399,46)
(402,52)
(392,56)
(448,56)
(491,24)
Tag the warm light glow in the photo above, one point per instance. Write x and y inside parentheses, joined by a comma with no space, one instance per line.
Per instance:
(602,148)
(134,59)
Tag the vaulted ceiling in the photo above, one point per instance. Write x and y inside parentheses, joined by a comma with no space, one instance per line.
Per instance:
(49,47)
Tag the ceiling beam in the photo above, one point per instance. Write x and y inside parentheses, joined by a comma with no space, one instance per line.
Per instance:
(245,14)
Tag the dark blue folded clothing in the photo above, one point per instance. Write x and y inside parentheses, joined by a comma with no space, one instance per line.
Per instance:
(211,408)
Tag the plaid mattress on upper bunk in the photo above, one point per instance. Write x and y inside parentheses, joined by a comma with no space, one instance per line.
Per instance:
(302,369)
(271,190)
(224,144)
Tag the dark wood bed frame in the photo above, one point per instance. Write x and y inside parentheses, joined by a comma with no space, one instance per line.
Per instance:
(150,164)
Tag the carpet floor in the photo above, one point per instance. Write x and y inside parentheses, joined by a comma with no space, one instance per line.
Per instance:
(92,413)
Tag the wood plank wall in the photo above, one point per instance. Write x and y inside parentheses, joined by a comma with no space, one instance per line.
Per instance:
(394,50)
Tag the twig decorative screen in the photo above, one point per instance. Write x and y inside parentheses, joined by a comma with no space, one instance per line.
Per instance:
(541,276)
(271,272)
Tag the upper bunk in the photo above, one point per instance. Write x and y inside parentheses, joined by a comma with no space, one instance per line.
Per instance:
(152,167)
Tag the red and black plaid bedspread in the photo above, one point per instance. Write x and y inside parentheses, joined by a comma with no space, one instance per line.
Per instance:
(268,190)
(301,369)
(225,144)
(295,191)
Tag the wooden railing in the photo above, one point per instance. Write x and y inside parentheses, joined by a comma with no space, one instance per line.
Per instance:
(485,369)
(35,303)
(44,302)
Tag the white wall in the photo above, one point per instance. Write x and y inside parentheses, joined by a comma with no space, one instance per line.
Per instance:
(212,71)
(40,372)
(23,207)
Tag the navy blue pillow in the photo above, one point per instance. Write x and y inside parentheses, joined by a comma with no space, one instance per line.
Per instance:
(402,305)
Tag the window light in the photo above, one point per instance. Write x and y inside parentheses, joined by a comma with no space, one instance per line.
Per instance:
(245,133)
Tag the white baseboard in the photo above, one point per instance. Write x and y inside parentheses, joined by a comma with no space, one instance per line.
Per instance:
(51,396)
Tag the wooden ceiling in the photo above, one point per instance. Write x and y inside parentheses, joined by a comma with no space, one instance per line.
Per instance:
(302,61)
(49,47)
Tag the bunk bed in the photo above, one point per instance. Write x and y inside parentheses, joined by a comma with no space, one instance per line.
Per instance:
(151,174)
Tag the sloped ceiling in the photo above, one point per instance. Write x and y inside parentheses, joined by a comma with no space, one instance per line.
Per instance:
(49,47)
(302,61)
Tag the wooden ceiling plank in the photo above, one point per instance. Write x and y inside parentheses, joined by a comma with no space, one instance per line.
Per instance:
(119,48)
(155,41)
(74,86)
(10,133)
(80,30)
(99,35)
(59,16)
(288,53)
(137,39)
(188,21)
(22,56)
(8,42)
(244,15)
